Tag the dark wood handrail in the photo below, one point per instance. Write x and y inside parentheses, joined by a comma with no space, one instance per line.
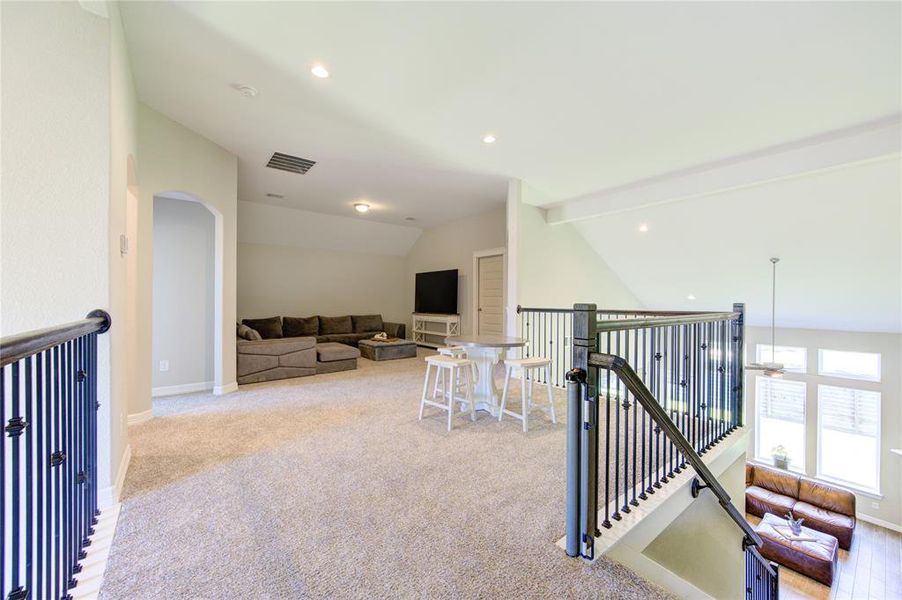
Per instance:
(22,345)
(664,321)
(764,562)
(636,386)
(637,312)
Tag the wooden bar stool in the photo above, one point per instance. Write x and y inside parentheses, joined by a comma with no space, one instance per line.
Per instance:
(455,373)
(524,365)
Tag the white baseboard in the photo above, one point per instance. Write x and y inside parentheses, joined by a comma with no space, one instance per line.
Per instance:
(878,522)
(220,390)
(109,496)
(140,417)
(90,579)
(185,388)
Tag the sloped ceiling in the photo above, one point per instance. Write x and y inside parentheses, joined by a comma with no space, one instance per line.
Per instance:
(838,235)
(581,95)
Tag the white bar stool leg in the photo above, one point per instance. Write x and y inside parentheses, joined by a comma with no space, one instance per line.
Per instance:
(507,380)
(450,397)
(470,403)
(523,399)
(550,396)
(425,390)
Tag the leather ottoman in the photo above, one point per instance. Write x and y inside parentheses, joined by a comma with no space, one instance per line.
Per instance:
(376,350)
(816,559)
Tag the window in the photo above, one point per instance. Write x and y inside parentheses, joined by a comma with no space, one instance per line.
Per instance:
(849,435)
(850,365)
(780,419)
(793,358)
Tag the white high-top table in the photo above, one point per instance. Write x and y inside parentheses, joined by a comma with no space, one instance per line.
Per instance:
(486,351)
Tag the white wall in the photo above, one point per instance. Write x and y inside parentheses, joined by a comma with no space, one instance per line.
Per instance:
(716,563)
(451,246)
(558,254)
(174,160)
(123,268)
(301,282)
(183,286)
(890,388)
(55,219)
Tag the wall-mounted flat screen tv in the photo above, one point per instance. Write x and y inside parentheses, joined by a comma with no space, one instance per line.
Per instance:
(436,292)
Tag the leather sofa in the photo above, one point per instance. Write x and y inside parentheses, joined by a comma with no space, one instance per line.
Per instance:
(825,508)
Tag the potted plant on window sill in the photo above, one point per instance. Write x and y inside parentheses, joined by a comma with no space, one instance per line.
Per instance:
(781,457)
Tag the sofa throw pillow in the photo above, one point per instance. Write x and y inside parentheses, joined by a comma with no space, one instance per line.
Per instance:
(246,333)
(300,327)
(332,325)
(270,328)
(367,323)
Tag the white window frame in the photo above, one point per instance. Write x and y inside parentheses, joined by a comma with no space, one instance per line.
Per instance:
(767,460)
(820,366)
(766,347)
(819,474)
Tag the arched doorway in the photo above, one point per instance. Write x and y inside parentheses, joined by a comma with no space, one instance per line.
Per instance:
(187,295)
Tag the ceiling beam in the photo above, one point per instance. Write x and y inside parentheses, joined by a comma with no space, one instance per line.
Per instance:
(870,141)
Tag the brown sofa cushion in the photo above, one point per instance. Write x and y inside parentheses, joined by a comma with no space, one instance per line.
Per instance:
(270,328)
(351,339)
(839,526)
(367,323)
(329,352)
(827,496)
(300,327)
(330,325)
(777,481)
(759,501)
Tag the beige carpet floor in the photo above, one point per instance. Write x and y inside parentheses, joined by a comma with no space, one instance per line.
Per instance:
(329,487)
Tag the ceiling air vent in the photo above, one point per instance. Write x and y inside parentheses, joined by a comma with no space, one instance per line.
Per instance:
(287,162)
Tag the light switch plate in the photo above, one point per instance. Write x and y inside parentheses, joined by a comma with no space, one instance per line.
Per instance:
(123,244)
(164,365)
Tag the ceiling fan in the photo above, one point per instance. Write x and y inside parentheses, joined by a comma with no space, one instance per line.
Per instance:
(773,368)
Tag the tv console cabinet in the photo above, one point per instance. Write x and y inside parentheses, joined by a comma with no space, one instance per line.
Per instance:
(431,330)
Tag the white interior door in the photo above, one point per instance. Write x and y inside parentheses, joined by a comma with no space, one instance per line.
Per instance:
(490,295)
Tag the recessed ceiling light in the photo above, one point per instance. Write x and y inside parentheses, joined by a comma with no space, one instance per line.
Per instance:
(361,207)
(320,71)
(247,91)
(643,228)
(489,138)
(690,297)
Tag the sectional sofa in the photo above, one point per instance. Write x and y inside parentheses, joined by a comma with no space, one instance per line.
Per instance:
(284,347)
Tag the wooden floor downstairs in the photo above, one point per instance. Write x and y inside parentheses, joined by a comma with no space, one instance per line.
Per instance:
(871,569)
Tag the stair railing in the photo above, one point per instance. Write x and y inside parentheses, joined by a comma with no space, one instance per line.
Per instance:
(648,394)
(48,471)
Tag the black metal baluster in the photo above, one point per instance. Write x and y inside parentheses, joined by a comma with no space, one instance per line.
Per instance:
(41,420)
(645,453)
(636,408)
(69,465)
(607,441)
(56,461)
(3,483)
(14,430)
(657,342)
(616,516)
(93,407)
(626,431)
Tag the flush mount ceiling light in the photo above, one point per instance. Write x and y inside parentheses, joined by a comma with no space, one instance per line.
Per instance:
(247,91)
(690,297)
(361,207)
(643,228)
(488,138)
(320,71)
